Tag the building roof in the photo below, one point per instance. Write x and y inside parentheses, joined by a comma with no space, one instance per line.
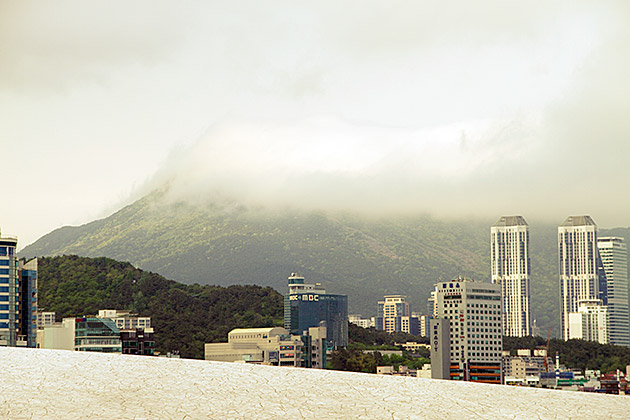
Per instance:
(578,221)
(267,330)
(505,221)
(58,384)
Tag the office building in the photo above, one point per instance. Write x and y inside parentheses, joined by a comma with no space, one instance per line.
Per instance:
(614,259)
(271,346)
(27,307)
(18,296)
(138,341)
(471,313)
(510,268)
(111,331)
(81,334)
(9,298)
(581,275)
(307,305)
(590,322)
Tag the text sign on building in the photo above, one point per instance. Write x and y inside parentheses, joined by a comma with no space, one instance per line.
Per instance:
(305,297)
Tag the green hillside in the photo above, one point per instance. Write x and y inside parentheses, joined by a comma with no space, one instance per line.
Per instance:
(362,257)
(183,316)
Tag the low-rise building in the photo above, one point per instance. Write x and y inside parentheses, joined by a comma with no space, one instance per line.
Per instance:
(125,320)
(45,319)
(137,341)
(271,346)
(111,331)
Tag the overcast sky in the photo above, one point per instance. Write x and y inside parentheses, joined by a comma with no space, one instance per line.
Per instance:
(458,109)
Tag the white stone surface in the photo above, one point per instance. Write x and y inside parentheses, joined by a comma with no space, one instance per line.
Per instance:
(57,384)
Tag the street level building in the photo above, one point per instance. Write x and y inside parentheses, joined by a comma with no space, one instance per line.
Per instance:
(137,341)
(307,305)
(81,334)
(510,268)
(614,258)
(582,277)
(472,311)
(271,346)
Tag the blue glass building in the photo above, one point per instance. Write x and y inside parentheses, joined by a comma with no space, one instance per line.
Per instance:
(8,291)
(18,297)
(27,307)
(307,305)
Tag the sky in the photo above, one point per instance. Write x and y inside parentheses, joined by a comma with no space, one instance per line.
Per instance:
(457,109)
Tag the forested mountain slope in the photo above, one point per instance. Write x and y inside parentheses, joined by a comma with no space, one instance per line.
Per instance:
(184,316)
(227,244)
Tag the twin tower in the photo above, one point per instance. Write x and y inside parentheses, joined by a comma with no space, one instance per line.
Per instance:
(593,279)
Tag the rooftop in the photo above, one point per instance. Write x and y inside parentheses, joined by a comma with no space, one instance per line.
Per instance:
(578,221)
(505,221)
(58,384)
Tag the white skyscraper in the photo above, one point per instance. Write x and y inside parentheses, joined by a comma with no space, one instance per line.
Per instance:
(509,251)
(578,261)
(614,258)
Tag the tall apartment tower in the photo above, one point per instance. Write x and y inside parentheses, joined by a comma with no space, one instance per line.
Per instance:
(614,261)
(509,251)
(470,313)
(393,314)
(581,278)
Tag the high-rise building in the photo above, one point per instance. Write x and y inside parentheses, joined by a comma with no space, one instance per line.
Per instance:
(580,272)
(473,313)
(393,314)
(9,298)
(307,305)
(18,297)
(510,265)
(614,259)
(27,325)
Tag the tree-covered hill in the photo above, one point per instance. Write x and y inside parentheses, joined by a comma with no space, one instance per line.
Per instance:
(576,354)
(184,316)
(363,257)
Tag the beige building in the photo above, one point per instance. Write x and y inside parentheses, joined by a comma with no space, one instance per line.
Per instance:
(590,322)
(271,346)
(125,320)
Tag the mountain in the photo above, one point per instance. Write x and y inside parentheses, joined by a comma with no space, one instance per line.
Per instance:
(365,257)
(184,316)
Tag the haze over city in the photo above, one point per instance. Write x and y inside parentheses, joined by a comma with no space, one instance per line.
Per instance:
(473,110)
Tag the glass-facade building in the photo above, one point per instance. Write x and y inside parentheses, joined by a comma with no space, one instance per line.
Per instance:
(9,302)
(307,305)
(96,334)
(27,307)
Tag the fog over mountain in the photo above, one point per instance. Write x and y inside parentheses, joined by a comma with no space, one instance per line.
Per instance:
(455,110)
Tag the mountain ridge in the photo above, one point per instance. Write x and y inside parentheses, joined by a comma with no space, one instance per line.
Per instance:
(364,257)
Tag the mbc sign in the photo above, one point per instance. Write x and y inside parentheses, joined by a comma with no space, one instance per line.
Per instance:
(312,298)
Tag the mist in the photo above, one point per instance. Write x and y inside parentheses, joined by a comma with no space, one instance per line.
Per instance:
(457,110)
